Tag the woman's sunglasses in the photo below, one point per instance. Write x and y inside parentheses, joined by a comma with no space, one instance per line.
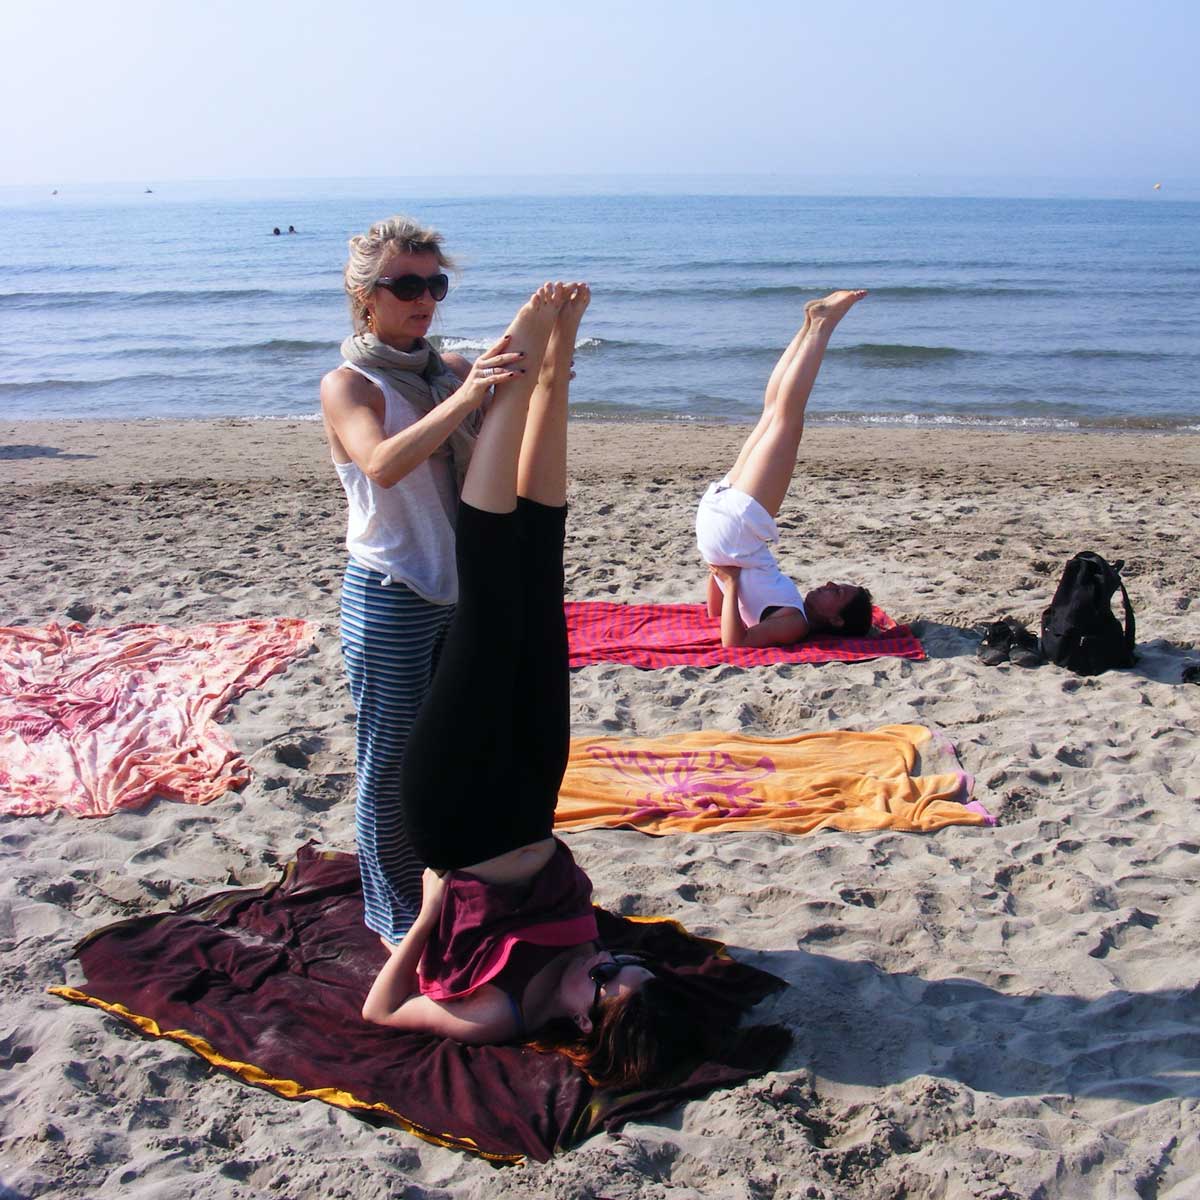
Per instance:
(605,972)
(413,287)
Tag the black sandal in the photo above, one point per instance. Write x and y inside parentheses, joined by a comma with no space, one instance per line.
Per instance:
(1025,650)
(996,644)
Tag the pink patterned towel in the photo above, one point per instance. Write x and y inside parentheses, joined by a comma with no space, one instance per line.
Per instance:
(677,635)
(95,720)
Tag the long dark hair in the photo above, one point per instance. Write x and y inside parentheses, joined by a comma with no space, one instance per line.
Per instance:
(640,1038)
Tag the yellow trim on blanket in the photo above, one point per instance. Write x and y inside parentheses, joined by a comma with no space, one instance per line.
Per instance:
(288,1088)
(718,948)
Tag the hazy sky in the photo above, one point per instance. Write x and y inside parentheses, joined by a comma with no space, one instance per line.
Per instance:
(157,90)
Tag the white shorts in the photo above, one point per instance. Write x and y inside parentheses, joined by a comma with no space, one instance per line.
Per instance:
(732,528)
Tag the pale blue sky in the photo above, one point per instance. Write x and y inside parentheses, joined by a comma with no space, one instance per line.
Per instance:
(937,92)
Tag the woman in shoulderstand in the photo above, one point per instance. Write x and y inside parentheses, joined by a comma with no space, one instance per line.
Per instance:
(399,420)
(506,945)
(756,604)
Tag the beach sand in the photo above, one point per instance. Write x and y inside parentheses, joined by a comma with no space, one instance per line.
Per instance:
(1008,1012)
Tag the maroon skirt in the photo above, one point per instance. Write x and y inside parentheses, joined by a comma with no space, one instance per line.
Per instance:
(481,923)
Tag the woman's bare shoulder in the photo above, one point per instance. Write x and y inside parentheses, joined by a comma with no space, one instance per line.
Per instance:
(345,386)
(458,364)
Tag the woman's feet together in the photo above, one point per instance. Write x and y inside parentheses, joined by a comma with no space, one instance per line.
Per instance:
(546,326)
(829,310)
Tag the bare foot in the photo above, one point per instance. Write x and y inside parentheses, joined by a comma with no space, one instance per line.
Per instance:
(560,352)
(531,327)
(832,308)
(577,296)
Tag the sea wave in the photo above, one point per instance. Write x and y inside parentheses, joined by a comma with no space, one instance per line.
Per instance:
(276,351)
(1091,423)
(777,264)
(74,386)
(837,265)
(723,289)
(920,291)
(1148,356)
(243,350)
(604,410)
(1047,423)
(898,355)
(446,343)
(167,296)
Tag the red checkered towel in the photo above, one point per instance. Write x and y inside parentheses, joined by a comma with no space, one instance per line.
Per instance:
(678,635)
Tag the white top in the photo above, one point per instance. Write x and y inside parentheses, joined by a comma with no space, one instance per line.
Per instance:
(406,531)
(734,530)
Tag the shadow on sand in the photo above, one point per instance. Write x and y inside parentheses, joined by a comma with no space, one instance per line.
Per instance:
(855,1023)
(945,641)
(1157,659)
(18,451)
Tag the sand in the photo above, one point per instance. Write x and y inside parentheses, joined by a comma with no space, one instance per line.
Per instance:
(979,1013)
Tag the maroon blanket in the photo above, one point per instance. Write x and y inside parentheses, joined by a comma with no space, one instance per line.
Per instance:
(268,983)
(678,635)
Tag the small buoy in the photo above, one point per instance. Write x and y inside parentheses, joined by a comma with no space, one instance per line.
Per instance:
(1158,187)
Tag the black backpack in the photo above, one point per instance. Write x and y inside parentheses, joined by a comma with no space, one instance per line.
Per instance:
(1079,629)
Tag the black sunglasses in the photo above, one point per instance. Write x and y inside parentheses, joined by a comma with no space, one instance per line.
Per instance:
(413,287)
(605,972)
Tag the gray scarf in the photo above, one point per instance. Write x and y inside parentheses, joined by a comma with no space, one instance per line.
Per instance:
(422,378)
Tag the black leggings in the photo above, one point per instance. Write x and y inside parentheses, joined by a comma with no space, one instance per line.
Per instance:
(489,747)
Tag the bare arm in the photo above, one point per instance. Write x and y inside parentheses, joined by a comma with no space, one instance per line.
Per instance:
(394,1000)
(715,598)
(782,628)
(733,628)
(398,979)
(353,411)
(481,1019)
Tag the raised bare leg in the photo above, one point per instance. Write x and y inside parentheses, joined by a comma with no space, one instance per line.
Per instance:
(491,482)
(766,471)
(542,472)
(770,394)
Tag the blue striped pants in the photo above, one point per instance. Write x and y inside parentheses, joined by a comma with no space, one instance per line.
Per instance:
(391,639)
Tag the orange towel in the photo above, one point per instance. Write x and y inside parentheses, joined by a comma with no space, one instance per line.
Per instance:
(904,777)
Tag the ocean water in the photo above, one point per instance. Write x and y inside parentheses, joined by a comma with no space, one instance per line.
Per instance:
(1063,314)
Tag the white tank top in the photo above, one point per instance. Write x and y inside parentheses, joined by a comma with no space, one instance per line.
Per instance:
(762,586)
(406,531)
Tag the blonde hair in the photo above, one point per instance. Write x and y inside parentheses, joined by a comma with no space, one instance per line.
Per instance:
(394,235)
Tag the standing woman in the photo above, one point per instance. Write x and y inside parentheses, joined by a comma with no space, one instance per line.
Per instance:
(399,418)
